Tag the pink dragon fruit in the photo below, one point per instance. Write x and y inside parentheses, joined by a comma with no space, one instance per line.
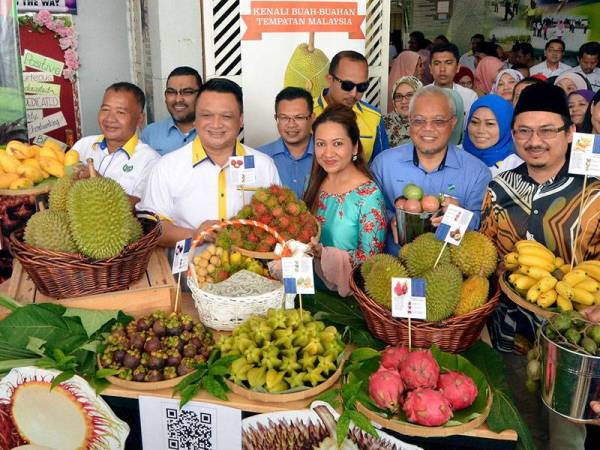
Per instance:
(458,388)
(392,357)
(420,369)
(427,407)
(385,388)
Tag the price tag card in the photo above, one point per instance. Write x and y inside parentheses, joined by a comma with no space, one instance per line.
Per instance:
(243,171)
(197,425)
(181,255)
(454,224)
(408,298)
(298,275)
(585,155)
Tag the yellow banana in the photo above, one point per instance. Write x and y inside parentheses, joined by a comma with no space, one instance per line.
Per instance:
(558,261)
(6,179)
(60,155)
(547,283)
(563,303)
(528,243)
(564,290)
(521,281)
(547,299)
(35,150)
(534,292)
(71,157)
(530,260)
(544,254)
(582,296)
(47,152)
(596,297)
(591,270)
(53,145)
(574,277)
(592,262)
(565,268)
(522,269)
(33,173)
(21,183)
(19,150)
(589,284)
(511,258)
(9,163)
(537,273)
(32,162)
(52,166)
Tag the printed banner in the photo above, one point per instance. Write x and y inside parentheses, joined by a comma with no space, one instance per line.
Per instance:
(53,6)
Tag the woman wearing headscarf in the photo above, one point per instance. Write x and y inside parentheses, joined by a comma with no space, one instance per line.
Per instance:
(485,74)
(571,82)
(406,64)
(464,77)
(505,83)
(456,137)
(578,102)
(396,122)
(488,135)
(591,121)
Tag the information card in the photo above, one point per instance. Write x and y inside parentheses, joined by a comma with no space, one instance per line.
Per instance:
(298,275)
(454,224)
(408,298)
(585,155)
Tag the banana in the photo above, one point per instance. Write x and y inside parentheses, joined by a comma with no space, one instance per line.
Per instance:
(33,173)
(574,277)
(564,290)
(565,268)
(32,162)
(47,152)
(528,243)
(60,155)
(19,150)
(537,273)
(511,258)
(533,293)
(9,163)
(592,262)
(596,297)
(35,150)
(563,303)
(589,284)
(547,299)
(6,179)
(521,281)
(534,247)
(71,157)
(591,270)
(53,145)
(21,183)
(522,269)
(582,296)
(52,166)
(531,260)
(558,261)
(538,253)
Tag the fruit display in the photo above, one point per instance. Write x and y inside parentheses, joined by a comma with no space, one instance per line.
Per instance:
(412,382)
(22,166)
(215,264)
(92,216)
(456,286)
(415,201)
(277,207)
(282,351)
(156,347)
(547,280)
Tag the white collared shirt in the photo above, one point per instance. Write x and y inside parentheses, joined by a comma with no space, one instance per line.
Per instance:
(593,78)
(546,71)
(129,165)
(187,188)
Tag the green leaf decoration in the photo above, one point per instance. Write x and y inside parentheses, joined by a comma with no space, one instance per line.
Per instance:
(331,397)
(64,376)
(91,320)
(342,427)
(9,302)
(362,422)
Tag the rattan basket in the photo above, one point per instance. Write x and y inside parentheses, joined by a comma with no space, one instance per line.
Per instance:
(453,335)
(225,313)
(66,275)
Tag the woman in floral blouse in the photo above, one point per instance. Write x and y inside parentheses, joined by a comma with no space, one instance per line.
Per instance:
(344,198)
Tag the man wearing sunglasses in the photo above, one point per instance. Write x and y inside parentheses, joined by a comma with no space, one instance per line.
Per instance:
(348,80)
(177,130)
(540,200)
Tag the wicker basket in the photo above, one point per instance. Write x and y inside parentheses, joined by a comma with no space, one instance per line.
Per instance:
(225,313)
(453,335)
(66,275)
(515,297)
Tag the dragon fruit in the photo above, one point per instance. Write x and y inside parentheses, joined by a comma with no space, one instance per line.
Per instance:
(392,357)
(458,388)
(420,369)
(385,388)
(427,407)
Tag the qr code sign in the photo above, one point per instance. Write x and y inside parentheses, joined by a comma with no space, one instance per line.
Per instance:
(190,429)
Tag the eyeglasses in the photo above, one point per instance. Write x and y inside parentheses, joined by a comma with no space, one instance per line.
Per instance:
(188,92)
(348,85)
(398,98)
(524,133)
(419,122)
(287,119)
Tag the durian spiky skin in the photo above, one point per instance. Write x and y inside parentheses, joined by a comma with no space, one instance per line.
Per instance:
(59,193)
(49,229)
(366,267)
(476,255)
(403,254)
(99,214)
(422,254)
(135,230)
(473,293)
(442,286)
(378,281)
(284,435)
(307,69)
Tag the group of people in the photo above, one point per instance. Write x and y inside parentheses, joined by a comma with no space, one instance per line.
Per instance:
(502,155)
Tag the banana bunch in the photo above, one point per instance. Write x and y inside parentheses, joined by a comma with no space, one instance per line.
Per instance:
(547,280)
(23,165)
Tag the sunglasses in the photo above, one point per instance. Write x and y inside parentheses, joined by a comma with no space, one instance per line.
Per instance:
(348,85)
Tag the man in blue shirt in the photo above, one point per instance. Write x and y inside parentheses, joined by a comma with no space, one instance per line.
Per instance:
(177,130)
(429,161)
(293,151)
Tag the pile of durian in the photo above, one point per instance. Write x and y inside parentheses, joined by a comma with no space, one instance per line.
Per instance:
(91,216)
(457,285)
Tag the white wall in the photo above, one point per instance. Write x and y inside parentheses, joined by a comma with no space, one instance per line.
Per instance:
(103,54)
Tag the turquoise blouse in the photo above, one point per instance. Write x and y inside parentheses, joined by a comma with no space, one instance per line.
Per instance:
(354,221)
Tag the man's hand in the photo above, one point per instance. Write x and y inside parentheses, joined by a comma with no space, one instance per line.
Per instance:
(209,237)
(394,225)
(592,314)
(437,218)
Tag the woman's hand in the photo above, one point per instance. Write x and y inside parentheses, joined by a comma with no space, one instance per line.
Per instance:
(316,247)
(592,313)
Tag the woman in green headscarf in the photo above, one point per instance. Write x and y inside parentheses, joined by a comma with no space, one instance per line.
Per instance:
(396,122)
(459,128)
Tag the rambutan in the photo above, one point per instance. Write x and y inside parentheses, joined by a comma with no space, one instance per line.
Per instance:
(259,209)
(277,212)
(272,203)
(293,229)
(245,212)
(270,240)
(293,208)
(284,222)
(252,237)
(261,195)
(266,219)
(263,247)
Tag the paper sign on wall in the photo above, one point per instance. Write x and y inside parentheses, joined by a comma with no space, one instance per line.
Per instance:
(585,155)
(48,123)
(298,276)
(454,224)
(43,63)
(408,298)
(37,76)
(35,87)
(242,169)
(34,115)
(41,102)
(196,425)
(42,138)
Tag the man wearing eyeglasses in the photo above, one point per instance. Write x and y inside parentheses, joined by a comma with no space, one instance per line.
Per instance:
(430,161)
(348,80)
(177,130)
(552,65)
(293,151)
(540,200)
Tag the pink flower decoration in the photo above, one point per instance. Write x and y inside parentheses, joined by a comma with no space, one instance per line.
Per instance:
(69,74)
(43,17)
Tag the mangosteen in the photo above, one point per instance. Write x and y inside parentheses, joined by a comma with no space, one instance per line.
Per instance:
(159,328)
(189,351)
(187,322)
(173,358)
(118,355)
(174,328)
(136,341)
(125,374)
(154,375)
(152,345)
(131,359)
(196,341)
(184,368)
(185,336)
(156,361)
(169,373)
(139,373)
(199,359)
(142,324)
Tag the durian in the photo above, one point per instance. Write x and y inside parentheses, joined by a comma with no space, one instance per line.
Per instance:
(422,254)
(370,262)
(307,68)
(442,290)
(378,282)
(99,215)
(403,254)
(473,293)
(50,230)
(476,255)
(57,200)
(135,229)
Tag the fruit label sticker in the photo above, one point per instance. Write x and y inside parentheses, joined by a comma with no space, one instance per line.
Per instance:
(298,276)
(408,298)
(454,224)
(585,155)
(243,171)
(181,255)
